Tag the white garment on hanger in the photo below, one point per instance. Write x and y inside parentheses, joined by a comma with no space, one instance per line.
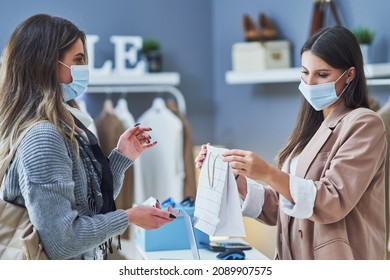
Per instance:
(122,112)
(163,165)
(126,117)
(83,107)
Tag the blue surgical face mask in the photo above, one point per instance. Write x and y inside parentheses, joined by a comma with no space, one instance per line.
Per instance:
(79,84)
(322,95)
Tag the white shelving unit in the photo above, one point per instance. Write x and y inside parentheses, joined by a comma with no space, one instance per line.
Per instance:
(375,74)
(138,83)
(162,78)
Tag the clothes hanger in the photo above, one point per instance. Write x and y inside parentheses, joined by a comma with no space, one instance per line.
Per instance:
(121,105)
(158,102)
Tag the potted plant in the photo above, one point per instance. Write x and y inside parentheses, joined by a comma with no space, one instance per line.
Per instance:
(364,36)
(152,51)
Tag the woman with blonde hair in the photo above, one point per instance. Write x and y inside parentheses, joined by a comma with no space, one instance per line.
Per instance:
(59,172)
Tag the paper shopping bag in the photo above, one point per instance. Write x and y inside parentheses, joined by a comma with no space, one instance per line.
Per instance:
(217,207)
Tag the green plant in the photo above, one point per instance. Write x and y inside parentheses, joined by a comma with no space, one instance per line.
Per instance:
(364,35)
(150,45)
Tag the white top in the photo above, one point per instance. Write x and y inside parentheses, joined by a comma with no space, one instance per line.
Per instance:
(163,165)
(122,112)
(126,117)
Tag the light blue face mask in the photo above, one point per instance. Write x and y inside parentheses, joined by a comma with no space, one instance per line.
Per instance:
(79,84)
(322,95)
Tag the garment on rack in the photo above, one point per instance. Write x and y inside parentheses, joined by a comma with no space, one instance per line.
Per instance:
(126,117)
(122,111)
(162,166)
(109,129)
(188,154)
(384,112)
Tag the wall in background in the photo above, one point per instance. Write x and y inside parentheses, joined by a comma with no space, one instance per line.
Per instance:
(196,38)
(260,117)
(182,26)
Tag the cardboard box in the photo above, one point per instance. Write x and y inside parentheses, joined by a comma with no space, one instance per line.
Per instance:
(171,236)
(258,56)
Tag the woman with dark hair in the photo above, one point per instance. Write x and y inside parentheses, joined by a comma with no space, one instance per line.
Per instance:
(59,172)
(327,196)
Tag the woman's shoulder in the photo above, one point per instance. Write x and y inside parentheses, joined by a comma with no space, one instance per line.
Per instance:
(360,113)
(43,128)
(364,117)
(43,133)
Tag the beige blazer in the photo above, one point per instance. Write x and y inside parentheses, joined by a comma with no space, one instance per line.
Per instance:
(346,161)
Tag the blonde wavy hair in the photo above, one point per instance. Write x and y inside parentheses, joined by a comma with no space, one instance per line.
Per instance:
(30,90)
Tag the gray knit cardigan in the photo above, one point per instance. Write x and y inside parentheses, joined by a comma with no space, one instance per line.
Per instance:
(49,179)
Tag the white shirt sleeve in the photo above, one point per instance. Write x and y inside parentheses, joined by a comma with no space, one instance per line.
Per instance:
(304,194)
(254,200)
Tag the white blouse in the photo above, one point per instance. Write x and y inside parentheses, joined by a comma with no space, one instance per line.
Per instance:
(302,191)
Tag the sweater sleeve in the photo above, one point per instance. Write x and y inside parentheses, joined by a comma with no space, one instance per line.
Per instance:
(47,185)
(118,164)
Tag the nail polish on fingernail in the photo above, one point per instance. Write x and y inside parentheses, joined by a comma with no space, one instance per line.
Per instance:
(137,124)
(172,216)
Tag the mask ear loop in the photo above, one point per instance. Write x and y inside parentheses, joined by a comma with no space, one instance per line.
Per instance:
(211,180)
(341,76)
(64,64)
(345,86)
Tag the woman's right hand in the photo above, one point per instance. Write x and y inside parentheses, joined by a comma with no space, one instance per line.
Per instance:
(241,180)
(201,156)
(149,217)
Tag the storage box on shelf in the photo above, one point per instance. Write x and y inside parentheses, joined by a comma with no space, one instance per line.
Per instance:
(258,56)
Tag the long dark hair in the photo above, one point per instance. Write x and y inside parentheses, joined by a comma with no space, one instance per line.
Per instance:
(338,47)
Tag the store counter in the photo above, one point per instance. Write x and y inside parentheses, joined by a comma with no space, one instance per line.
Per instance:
(131,251)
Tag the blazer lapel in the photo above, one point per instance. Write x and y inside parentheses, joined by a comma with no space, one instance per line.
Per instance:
(318,140)
(311,150)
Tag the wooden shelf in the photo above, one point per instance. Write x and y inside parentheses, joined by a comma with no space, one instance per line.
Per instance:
(289,75)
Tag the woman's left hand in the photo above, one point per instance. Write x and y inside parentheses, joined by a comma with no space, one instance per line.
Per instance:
(134,141)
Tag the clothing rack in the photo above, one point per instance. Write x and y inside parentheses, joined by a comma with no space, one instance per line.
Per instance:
(142,88)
